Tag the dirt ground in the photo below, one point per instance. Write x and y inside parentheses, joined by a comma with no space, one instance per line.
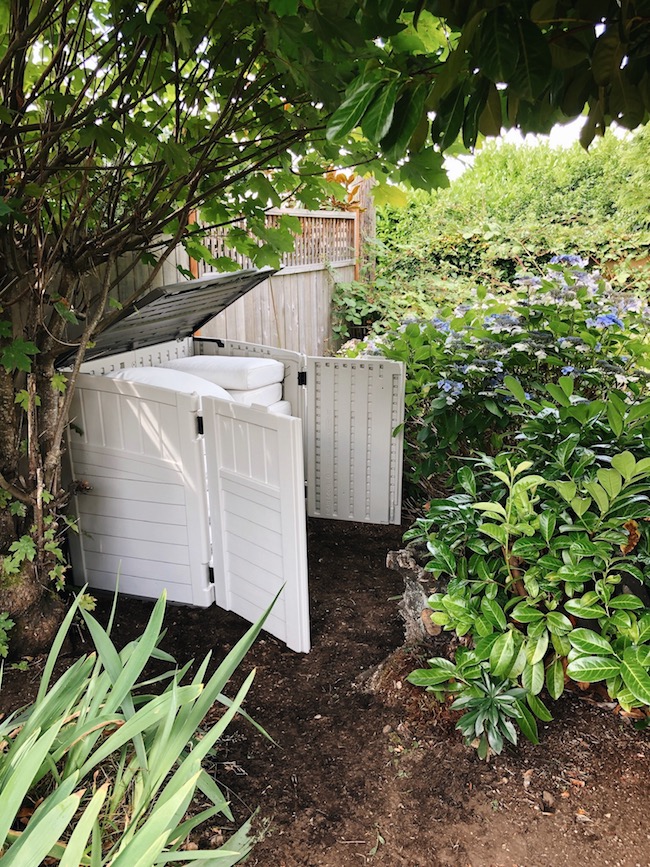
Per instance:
(381,778)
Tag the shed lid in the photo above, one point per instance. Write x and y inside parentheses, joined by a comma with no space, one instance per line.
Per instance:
(170,312)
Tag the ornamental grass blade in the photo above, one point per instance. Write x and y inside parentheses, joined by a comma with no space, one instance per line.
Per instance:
(38,839)
(151,838)
(76,845)
(57,644)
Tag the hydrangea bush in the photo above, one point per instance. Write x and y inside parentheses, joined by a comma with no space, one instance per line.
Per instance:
(566,322)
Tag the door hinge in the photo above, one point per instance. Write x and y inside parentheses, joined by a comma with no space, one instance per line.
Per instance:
(199,425)
(302,377)
(211,574)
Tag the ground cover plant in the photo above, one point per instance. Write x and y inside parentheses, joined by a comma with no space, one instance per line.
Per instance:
(102,767)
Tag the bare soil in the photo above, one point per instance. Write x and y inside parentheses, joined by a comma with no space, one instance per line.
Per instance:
(366,769)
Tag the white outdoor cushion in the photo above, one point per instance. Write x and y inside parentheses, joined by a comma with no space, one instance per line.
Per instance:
(282,407)
(175,380)
(231,371)
(265,396)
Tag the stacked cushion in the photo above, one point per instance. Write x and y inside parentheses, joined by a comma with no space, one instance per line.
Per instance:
(232,372)
(176,380)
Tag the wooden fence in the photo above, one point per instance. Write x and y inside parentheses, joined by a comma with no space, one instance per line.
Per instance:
(292,309)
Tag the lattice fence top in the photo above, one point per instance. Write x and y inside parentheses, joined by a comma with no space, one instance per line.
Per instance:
(327,237)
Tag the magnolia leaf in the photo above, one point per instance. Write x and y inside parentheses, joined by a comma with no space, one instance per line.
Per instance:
(491,119)
(533,68)
(449,118)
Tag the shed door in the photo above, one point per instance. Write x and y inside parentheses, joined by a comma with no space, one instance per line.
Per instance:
(354,462)
(257,513)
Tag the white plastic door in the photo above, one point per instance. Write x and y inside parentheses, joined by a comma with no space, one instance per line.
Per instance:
(354,462)
(136,459)
(257,513)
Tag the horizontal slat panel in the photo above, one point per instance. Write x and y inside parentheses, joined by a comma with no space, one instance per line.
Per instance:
(126,528)
(154,570)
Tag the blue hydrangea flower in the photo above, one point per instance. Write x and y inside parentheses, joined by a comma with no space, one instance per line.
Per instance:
(605,320)
(569,259)
(568,369)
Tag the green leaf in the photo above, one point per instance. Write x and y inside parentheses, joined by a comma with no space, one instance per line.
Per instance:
(558,623)
(283,8)
(502,654)
(539,708)
(379,115)
(493,612)
(16,356)
(590,669)
(409,109)
(524,612)
(514,387)
(449,118)
(589,642)
(558,394)
(547,523)
(534,62)
(359,96)
(555,679)
(532,678)
(587,611)
(495,531)
(635,677)
(567,490)
(498,45)
(424,170)
(536,649)
(611,480)
(428,677)
(527,723)
(625,464)
(626,601)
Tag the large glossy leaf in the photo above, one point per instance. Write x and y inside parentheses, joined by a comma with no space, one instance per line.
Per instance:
(527,723)
(635,676)
(406,117)
(533,68)
(379,115)
(555,679)
(589,642)
(532,678)
(587,611)
(359,96)
(449,118)
(424,170)
(502,654)
(498,51)
(591,669)
(539,708)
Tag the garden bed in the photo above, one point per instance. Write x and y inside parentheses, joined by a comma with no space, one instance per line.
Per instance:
(379,776)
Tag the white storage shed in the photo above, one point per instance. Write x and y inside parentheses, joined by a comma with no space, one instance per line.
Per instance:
(184,484)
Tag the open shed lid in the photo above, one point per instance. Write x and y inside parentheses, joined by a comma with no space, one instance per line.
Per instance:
(170,312)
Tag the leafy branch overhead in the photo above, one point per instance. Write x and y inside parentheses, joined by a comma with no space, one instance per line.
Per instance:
(455,72)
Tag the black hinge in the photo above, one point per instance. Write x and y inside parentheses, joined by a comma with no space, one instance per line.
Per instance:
(199,424)
(220,343)
(210,574)
(302,377)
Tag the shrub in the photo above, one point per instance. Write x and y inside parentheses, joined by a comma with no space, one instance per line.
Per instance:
(566,325)
(544,563)
(101,772)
